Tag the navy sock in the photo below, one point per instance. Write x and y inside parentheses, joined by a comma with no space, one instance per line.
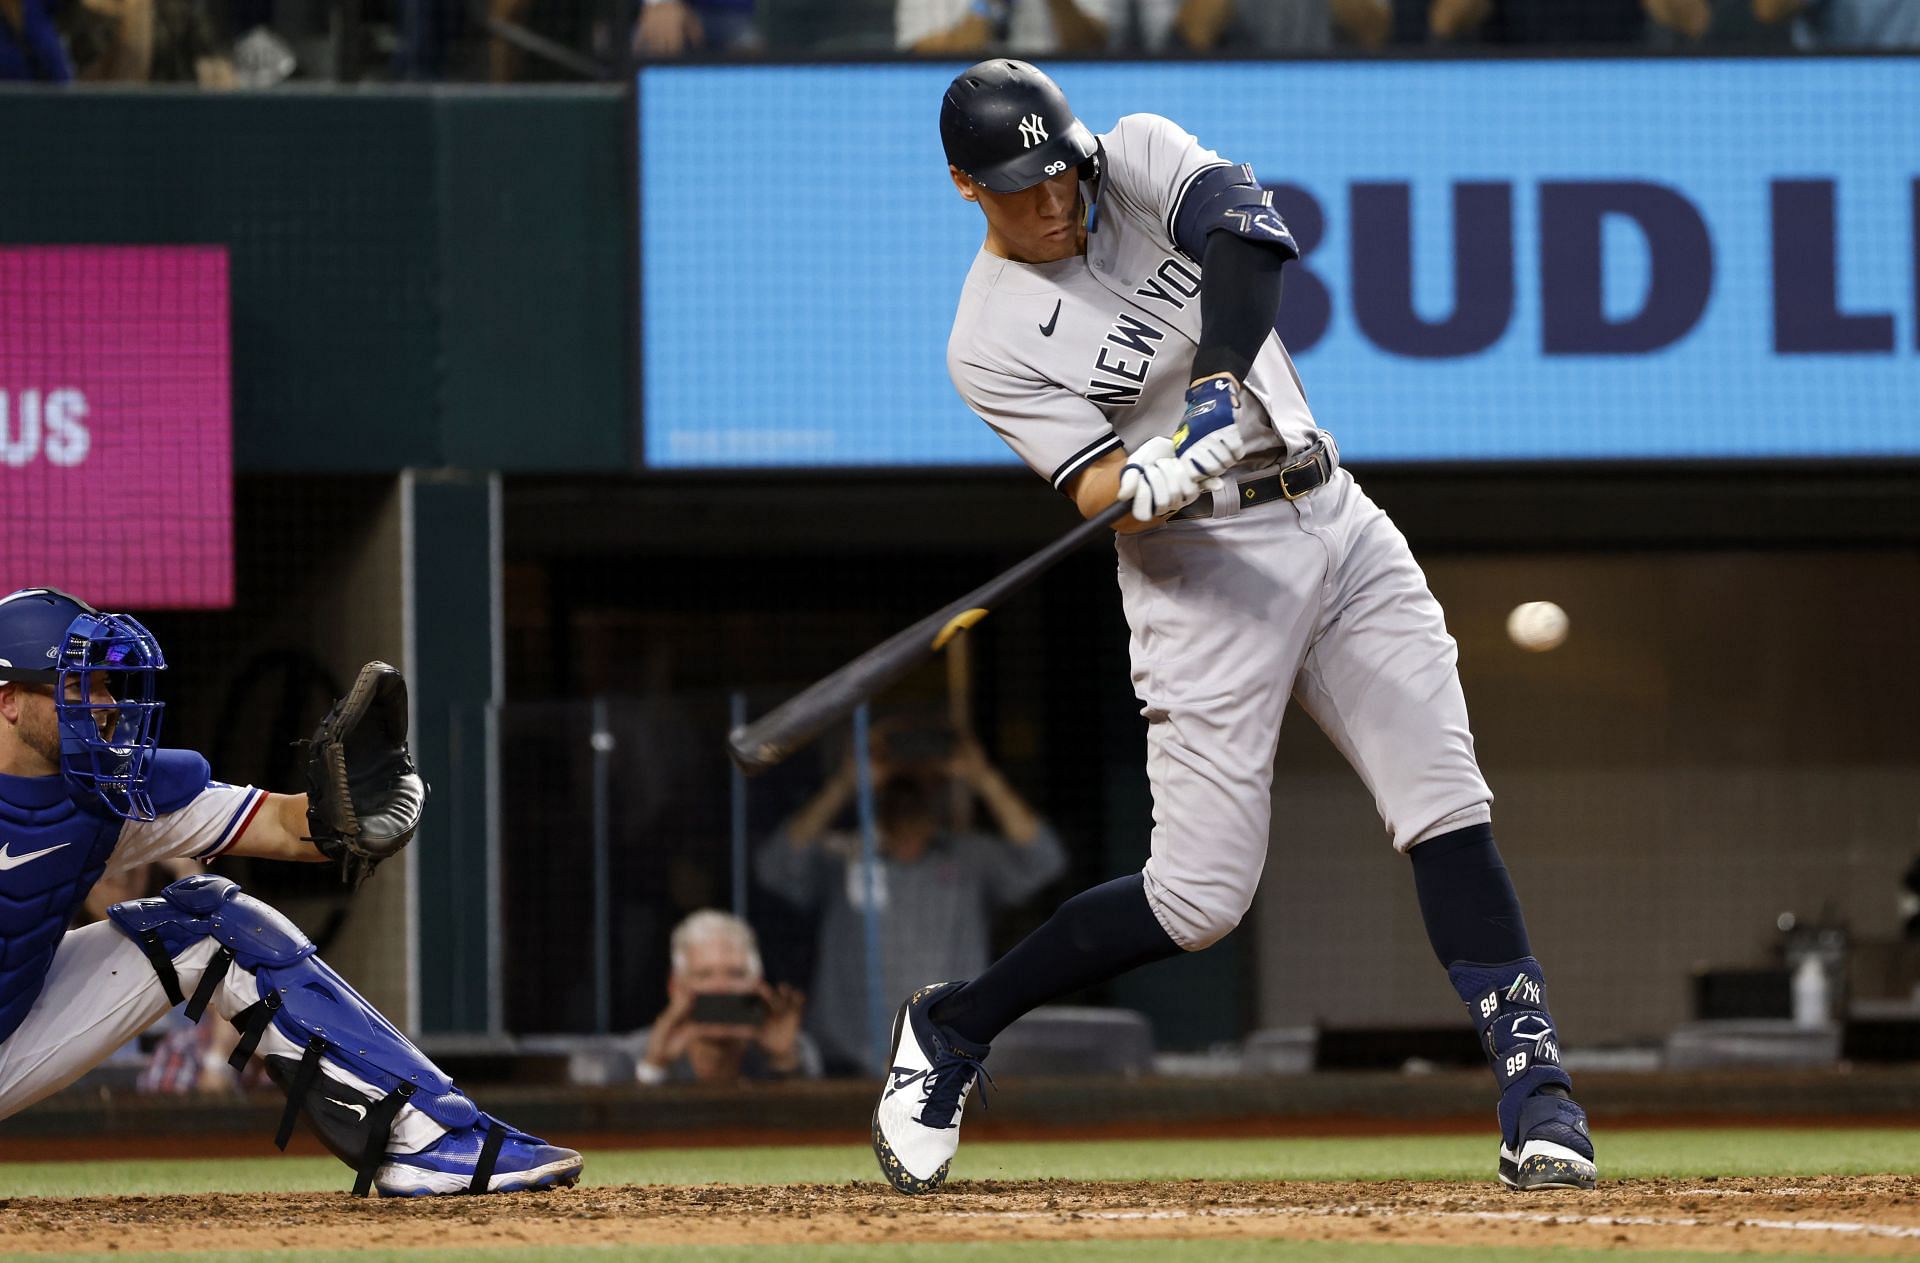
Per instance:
(1467,898)
(1096,935)
(1474,923)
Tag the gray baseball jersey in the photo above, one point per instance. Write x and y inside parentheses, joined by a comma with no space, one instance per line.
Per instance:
(1074,359)
(1319,597)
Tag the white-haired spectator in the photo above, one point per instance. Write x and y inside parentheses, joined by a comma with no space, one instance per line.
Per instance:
(723,1023)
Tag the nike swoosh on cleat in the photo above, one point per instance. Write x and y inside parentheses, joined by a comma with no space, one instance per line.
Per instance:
(8,861)
(1046,330)
(904,1078)
(359,1111)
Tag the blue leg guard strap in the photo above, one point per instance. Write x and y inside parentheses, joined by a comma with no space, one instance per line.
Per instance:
(309,1006)
(1508,1003)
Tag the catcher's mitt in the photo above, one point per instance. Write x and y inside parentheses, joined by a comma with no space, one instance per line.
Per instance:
(364,796)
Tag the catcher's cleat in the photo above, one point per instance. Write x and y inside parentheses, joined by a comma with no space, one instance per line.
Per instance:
(460,1162)
(1551,1147)
(916,1125)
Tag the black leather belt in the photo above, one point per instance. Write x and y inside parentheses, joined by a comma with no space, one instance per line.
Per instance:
(1309,471)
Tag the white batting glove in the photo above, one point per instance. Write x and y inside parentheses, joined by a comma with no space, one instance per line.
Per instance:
(1158,482)
(1209,437)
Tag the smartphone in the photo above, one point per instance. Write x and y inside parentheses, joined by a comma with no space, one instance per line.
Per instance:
(725,1009)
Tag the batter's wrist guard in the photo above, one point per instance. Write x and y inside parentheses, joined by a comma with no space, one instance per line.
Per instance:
(1508,1005)
(1211,404)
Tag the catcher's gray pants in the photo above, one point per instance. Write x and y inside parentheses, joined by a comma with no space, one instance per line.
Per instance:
(101,991)
(1319,597)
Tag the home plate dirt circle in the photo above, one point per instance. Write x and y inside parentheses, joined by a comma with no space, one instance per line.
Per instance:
(1858,1216)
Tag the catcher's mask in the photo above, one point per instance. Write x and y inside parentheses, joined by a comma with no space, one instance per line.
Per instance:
(106,747)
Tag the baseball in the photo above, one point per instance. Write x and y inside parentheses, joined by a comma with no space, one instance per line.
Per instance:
(1537,626)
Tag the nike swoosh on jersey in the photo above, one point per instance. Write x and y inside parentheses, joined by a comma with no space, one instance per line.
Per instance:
(14,861)
(1046,330)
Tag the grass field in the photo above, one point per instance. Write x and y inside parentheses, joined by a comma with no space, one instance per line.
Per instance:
(1623,1155)
(1038,1202)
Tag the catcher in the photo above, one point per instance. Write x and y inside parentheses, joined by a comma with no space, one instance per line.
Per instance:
(85,790)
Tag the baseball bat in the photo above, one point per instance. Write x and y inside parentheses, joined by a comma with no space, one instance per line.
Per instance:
(787,727)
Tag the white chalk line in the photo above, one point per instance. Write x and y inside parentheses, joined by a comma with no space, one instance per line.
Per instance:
(1510,1216)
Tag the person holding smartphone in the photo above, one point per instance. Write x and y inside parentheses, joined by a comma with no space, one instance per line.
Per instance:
(936,888)
(723,1023)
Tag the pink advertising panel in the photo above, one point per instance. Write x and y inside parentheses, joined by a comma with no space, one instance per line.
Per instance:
(116,437)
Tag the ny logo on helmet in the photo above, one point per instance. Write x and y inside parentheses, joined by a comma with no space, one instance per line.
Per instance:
(1033,130)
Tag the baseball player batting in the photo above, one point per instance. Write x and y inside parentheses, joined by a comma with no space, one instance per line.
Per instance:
(85,790)
(1116,329)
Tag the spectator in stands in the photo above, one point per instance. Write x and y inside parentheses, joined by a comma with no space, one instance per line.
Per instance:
(191,1060)
(934,890)
(1681,25)
(1549,23)
(723,1024)
(30,48)
(111,41)
(1834,24)
(188,47)
(147,41)
(137,882)
(1249,25)
(1023,27)
(534,40)
(669,28)
(828,27)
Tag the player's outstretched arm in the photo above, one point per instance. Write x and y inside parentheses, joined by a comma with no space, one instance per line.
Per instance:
(278,832)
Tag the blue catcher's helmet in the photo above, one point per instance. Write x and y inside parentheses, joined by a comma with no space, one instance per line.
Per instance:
(106,747)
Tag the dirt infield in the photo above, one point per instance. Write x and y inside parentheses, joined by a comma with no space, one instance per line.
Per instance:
(1874,1216)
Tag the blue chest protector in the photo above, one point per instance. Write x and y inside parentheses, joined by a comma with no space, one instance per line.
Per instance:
(53,848)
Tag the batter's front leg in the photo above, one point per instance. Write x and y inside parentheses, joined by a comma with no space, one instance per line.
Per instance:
(1382,681)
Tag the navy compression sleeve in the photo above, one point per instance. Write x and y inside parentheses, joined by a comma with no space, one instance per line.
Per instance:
(1239,301)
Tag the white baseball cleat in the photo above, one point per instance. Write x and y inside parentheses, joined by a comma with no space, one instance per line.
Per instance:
(916,1125)
(1554,1150)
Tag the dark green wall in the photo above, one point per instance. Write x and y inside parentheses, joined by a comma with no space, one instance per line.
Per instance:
(420,277)
(453,574)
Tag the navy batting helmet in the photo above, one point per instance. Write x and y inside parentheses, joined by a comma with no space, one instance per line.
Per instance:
(1009,127)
